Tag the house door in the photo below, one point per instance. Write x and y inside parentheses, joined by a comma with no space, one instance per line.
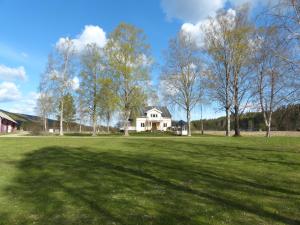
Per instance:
(154,126)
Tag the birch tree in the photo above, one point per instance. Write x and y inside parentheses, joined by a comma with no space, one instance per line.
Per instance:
(128,63)
(108,100)
(219,57)
(285,16)
(69,110)
(82,111)
(240,44)
(45,105)
(274,76)
(90,84)
(62,76)
(181,74)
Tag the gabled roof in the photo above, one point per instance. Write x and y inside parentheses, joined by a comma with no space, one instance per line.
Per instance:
(4,116)
(163,109)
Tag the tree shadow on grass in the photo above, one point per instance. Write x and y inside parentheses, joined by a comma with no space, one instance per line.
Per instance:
(60,185)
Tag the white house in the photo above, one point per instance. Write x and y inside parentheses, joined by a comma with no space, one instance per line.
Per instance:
(153,118)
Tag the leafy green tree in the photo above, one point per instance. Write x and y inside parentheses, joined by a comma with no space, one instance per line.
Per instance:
(69,110)
(128,63)
(108,100)
(90,81)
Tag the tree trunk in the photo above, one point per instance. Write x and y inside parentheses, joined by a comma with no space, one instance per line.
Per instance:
(94,124)
(268,132)
(227,121)
(80,127)
(236,105)
(202,127)
(45,124)
(237,132)
(61,131)
(126,132)
(107,126)
(188,117)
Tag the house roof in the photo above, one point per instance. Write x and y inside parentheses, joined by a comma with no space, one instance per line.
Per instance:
(163,109)
(179,123)
(5,116)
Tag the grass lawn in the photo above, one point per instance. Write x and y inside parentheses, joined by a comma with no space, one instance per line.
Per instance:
(202,180)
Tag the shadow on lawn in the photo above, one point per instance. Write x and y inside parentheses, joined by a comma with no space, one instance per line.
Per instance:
(78,186)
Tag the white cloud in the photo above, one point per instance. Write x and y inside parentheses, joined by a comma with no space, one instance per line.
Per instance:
(195,13)
(196,30)
(25,104)
(10,73)
(9,92)
(75,83)
(91,34)
(191,10)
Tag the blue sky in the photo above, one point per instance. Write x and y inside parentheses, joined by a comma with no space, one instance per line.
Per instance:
(30,29)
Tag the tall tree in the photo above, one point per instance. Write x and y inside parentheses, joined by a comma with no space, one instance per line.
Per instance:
(128,62)
(240,44)
(275,79)
(219,58)
(90,84)
(44,105)
(181,74)
(62,76)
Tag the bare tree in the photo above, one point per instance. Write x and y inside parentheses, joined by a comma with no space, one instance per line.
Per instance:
(219,58)
(275,77)
(241,46)
(181,74)
(285,16)
(44,105)
(62,75)
(82,110)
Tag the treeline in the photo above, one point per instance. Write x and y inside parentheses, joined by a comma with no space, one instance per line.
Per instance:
(286,118)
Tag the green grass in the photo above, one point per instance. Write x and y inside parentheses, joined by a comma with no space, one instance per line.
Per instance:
(171,180)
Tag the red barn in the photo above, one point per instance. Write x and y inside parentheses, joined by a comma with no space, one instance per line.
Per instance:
(7,124)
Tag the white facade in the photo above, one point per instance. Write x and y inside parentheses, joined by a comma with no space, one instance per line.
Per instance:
(153,121)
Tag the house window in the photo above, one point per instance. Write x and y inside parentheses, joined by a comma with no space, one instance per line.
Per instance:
(165,124)
(142,124)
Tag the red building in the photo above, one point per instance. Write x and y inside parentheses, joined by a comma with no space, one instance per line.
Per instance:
(7,124)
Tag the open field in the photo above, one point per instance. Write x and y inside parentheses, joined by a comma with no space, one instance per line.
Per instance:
(169,180)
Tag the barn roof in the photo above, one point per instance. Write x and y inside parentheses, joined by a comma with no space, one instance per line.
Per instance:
(163,109)
(5,116)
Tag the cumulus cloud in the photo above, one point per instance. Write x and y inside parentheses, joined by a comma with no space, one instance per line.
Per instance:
(10,73)
(9,92)
(196,30)
(90,35)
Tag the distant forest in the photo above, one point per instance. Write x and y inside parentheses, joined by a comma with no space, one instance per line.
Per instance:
(286,118)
